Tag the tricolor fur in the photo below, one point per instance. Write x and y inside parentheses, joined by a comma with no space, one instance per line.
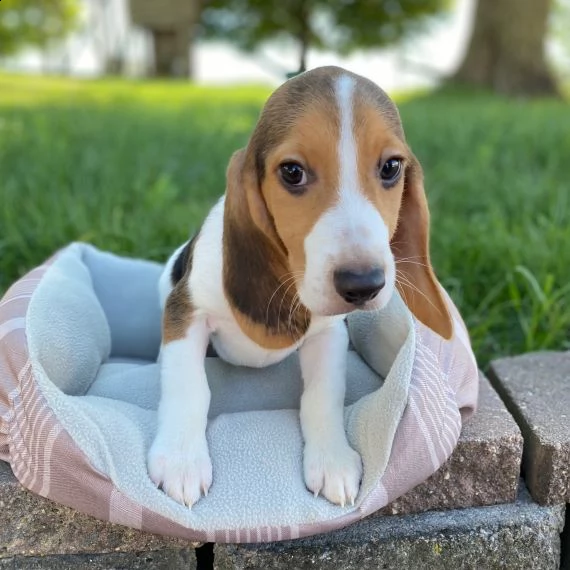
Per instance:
(266,275)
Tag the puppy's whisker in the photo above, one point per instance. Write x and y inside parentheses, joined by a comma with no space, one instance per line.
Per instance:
(281,304)
(402,289)
(294,308)
(288,277)
(411,261)
(403,279)
(399,242)
(410,288)
(285,279)
(407,283)
(295,304)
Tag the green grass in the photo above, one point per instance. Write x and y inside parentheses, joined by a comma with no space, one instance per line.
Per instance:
(133,167)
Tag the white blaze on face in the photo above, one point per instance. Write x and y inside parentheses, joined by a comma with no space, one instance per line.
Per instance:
(350,235)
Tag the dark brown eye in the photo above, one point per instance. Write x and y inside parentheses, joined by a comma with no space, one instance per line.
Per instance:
(390,171)
(292,174)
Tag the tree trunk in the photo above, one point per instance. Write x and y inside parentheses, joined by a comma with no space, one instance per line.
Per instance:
(303,57)
(506,51)
(171,53)
(304,36)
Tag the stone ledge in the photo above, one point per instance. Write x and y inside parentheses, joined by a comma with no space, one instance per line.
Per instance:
(513,536)
(167,559)
(31,525)
(536,389)
(483,470)
(565,538)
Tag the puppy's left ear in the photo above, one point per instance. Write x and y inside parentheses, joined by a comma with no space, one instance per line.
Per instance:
(416,281)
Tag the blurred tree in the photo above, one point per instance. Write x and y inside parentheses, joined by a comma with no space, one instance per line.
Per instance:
(35,23)
(507,48)
(337,25)
(172,24)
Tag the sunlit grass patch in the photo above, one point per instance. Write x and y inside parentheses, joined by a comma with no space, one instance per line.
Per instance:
(39,90)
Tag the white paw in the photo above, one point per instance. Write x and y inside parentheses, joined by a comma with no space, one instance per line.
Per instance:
(333,470)
(182,470)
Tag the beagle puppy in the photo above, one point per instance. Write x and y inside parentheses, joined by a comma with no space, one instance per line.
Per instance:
(324,214)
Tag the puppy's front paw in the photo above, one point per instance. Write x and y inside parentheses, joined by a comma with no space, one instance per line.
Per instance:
(334,470)
(183,470)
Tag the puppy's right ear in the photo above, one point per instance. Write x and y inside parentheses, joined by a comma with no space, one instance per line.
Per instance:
(244,199)
(254,259)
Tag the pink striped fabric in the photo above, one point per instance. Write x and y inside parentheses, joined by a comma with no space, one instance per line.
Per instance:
(46,460)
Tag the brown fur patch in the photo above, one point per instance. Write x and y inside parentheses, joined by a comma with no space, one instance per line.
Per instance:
(178,310)
(286,106)
(377,140)
(177,313)
(256,282)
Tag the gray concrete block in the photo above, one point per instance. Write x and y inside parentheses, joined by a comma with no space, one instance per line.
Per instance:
(33,526)
(168,559)
(522,535)
(484,469)
(565,538)
(536,389)
(517,535)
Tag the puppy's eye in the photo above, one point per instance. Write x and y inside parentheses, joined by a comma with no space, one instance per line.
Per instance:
(390,172)
(292,174)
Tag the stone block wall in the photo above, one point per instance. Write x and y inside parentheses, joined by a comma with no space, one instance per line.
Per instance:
(475,512)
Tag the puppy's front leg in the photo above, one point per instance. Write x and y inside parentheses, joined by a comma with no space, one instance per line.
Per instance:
(178,458)
(331,466)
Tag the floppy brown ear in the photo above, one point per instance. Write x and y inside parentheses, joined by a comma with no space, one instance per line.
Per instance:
(244,199)
(416,280)
(254,257)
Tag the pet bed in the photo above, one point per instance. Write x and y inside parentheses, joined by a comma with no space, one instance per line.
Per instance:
(79,388)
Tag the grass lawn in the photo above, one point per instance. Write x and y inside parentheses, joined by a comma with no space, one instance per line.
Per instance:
(133,167)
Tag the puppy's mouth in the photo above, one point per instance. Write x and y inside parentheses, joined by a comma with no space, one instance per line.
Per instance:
(339,307)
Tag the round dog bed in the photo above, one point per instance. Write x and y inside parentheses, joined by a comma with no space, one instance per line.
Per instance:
(79,388)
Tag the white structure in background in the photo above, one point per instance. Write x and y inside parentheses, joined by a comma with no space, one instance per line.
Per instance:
(107,36)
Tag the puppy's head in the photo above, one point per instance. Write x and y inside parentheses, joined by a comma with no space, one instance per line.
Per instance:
(337,197)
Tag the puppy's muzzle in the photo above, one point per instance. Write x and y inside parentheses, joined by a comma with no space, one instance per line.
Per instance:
(357,287)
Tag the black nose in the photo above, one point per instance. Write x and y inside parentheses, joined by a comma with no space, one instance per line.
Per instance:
(357,288)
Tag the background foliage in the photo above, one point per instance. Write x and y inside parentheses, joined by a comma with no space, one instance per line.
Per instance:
(340,26)
(35,23)
(134,167)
